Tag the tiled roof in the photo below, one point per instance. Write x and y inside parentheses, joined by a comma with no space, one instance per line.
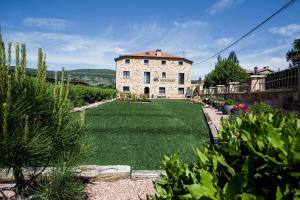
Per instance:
(259,70)
(153,54)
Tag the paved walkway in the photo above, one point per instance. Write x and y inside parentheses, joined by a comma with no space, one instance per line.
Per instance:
(92,105)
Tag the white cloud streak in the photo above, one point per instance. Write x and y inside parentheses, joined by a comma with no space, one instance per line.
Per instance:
(289,30)
(48,23)
(221,5)
(98,51)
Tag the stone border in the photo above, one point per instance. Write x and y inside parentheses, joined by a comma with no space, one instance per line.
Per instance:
(92,173)
(92,105)
(212,128)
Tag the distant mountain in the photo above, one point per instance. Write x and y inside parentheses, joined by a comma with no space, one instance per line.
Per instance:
(89,76)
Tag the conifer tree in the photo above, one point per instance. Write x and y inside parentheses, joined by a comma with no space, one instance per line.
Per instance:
(36,126)
(23,61)
(17,65)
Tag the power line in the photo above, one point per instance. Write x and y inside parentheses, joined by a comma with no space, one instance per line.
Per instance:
(249,32)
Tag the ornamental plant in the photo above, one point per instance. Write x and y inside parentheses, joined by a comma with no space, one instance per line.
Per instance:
(240,108)
(37,127)
(258,157)
(229,102)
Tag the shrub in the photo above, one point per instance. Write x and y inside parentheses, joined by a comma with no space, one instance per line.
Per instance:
(260,107)
(61,184)
(133,97)
(37,128)
(145,98)
(80,94)
(258,158)
(229,102)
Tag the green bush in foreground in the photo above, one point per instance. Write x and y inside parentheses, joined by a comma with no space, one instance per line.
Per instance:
(81,95)
(62,184)
(258,158)
(37,127)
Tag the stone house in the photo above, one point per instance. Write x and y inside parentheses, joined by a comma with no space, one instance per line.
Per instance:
(155,73)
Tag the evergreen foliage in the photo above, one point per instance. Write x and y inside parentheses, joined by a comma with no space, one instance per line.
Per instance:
(37,128)
(226,70)
(293,55)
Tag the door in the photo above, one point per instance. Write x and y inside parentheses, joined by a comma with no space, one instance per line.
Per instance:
(147,90)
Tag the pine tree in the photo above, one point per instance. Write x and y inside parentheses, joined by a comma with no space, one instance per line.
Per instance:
(232,56)
(37,128)
(23,61)
(17,66)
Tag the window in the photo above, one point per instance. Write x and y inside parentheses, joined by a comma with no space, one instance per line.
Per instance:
(163,62)
(126,74)
(146,62)
(180,90)
(181,78)
(126,89)
(127,61)
(146,77)
(162,90)
(180,63)
(163,75)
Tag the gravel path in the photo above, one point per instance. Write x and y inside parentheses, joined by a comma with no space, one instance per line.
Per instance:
(124,189)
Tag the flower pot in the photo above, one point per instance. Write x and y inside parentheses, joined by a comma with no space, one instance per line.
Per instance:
(227,109)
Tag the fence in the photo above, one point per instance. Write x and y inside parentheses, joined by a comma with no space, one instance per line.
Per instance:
(283,79)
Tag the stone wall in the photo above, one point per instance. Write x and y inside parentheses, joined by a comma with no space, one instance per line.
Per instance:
(136,80)
(286,99)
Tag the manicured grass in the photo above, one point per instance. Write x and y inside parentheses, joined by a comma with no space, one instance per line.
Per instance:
(139,134)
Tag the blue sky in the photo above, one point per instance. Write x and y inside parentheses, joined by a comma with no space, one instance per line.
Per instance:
(90,34)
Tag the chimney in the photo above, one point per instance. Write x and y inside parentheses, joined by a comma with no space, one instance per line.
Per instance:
(158,52)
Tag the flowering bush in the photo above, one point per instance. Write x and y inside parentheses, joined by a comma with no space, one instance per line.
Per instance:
(241,107)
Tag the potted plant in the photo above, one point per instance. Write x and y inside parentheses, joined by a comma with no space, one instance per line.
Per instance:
(219,103)
(229,103)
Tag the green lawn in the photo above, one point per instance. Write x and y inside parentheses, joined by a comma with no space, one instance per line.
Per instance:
(139,134)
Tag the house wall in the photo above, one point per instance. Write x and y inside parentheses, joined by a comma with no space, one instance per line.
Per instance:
(136,80)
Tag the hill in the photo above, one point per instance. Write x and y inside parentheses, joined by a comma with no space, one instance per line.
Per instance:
(89,76)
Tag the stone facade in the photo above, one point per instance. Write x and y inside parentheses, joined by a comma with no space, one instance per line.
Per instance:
(164,73)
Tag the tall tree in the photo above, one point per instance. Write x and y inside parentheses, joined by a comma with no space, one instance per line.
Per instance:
(293,55)
(233,56)
(225,71)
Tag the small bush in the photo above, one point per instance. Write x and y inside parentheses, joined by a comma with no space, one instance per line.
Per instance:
(62,184)
(260,107)
(80,94)
(229,102)
(133,97)
(145,97)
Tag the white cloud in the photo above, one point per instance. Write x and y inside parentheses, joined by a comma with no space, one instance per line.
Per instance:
(193,23)
(224,41)
(289,30)
(221,5)
(49,23)
(98,51)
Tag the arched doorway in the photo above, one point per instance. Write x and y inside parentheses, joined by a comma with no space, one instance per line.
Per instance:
(147,91)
